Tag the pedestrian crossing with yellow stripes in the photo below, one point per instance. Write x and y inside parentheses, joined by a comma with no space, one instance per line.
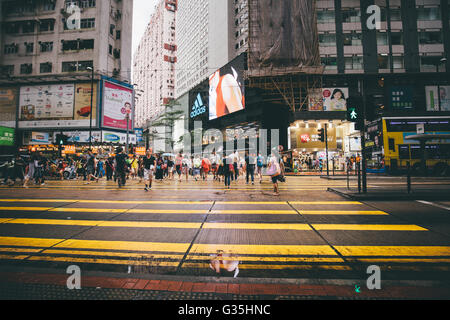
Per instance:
(264,239)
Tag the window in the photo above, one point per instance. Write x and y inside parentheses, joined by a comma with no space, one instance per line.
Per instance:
(327,40)
(396,14)
(11,48)
(86,44)
(28,27)
(383,61)
(397,38)
(110,50)
(429,14)
(330,63)
(87,23)
(76,66)
(352,39)
(382,39)
(430,62)
(118,35)
(46,67)
(430,37)
(399,62)
(354,63)
(351,15)
(46,46)
(29,47)
(26,68)
(111,29)
(48,6)
(7,70)
(326,16)
(47,25)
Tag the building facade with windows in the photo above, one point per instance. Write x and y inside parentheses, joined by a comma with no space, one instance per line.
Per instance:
(154,63)
(45,38)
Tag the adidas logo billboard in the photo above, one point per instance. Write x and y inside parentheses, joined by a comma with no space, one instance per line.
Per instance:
(198,108)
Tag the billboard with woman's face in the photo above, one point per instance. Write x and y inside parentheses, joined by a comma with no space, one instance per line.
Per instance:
(328,99)
(117,103)
(227,90)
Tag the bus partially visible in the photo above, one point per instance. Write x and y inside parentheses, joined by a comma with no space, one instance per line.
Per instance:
(396,151)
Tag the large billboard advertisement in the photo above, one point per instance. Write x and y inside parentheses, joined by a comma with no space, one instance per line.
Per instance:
(50,102)
(227,90)
(328,99)
(117,100)
(8,103)
(57,106)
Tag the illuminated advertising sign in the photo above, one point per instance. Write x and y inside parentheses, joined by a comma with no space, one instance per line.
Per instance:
(328,99)
(57,106)
(6,136)
(227,90)
(118,137)
(39,138)
(117,100)
(438,98)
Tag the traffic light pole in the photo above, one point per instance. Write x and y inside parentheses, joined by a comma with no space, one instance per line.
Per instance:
(326,148)
(363,139)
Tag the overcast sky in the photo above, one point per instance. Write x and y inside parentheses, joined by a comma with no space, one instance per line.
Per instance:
(143,9)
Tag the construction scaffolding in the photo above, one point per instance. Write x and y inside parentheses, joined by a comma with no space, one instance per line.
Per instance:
(283,53)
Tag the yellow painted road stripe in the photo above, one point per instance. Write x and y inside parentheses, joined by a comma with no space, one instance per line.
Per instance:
(326,202)
(114,254)
(105,261)
(402,260)
(263,249)
(25,208)
(12,257)
(189,225)
(313,250)
(368,227)
(258,226)
(2,249)
(273,267)
(341,212)
(127,224)
(107,201)
(28,242)
(253,212)
(93,210)
(365,251)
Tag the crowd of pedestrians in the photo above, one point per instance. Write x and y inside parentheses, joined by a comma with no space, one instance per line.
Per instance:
(120,167)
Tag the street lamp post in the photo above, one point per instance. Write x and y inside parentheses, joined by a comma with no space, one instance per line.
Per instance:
(92,109)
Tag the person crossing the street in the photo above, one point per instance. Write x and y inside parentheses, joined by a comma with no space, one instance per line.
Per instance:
(121,166)
(149,163)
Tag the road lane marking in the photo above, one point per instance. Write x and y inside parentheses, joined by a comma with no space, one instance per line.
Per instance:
(26,208)
(107,201)
(260,249)
(434,204)
(105,261)
(419,251)
(28,242)
(214,225)
(368,227)
(342,212)
(405,260)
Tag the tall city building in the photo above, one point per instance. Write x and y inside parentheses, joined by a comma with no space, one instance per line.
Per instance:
(154,63)
(61,37)
(210,34)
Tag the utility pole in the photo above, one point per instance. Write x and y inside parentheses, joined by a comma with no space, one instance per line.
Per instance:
(363,138)
(326,148)
(92,109)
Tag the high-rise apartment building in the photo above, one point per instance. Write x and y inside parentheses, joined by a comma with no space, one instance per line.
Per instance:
(154,63)
(62,37)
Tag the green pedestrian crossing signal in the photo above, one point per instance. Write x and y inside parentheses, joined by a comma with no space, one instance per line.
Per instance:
(352,114)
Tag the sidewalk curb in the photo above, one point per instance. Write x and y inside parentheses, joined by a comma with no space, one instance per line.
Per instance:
(391,196)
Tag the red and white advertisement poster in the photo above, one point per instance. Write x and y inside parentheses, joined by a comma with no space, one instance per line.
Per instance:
(116,101)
